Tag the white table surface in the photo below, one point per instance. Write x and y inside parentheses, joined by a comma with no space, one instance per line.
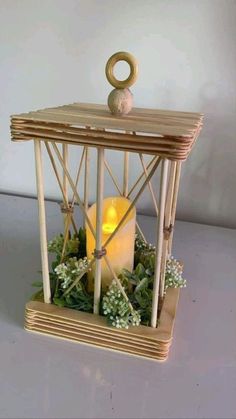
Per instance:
(42,377)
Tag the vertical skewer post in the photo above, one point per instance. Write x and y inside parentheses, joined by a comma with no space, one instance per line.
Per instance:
(160,233)
(67,216)
(86,179)
(126,174)
(167,225)
(42,221)
(174,202)
(99,212)
(65,159)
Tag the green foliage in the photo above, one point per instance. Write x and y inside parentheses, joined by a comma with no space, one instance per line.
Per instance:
(137,284)
(76,298)
(117,309)
(173,276)
(65,271)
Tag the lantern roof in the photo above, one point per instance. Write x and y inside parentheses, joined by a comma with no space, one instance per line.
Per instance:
(169,134)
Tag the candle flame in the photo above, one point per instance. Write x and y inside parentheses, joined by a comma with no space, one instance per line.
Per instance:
(111,220)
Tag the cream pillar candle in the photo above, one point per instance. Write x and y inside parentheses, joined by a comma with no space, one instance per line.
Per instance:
(120,250)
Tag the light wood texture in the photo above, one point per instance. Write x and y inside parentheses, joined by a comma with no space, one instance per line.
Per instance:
(67,216)
(126,174)
(120,102)
(78,175)
(42,221)
(151,173)
(153,160)
(77,197)
(167,136)
(170,134)
(93,329)
(174,203)
(99,215)
(167,224)
(160,233)
(149,184)
(125,184)
(65,201)
(65,155)
(113,177)
(115,277)
(86,179)
(131,79)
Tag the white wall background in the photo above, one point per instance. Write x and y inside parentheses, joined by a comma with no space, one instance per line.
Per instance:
(53,52)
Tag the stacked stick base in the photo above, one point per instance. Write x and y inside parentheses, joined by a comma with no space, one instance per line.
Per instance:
(92,329)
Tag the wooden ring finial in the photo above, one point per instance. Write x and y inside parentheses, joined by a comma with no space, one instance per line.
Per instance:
(131,60)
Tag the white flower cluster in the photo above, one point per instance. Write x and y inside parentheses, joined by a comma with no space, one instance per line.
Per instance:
(173,275)
(67,272)
(140,244)
(56,245)
(117,310)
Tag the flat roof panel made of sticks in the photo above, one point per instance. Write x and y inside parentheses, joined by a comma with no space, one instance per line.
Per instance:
(169,134)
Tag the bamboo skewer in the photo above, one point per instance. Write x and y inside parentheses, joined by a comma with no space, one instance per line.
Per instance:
(65,159)
(85,214)
(118,282)
(132,203)
(126,174)
(75,282)
(73,188)
(174,202)
(156,284)
(120,192)
(112,177)
(167,225)
(99,215)
(60,183)
(149,184)
(78,176)
(66,235)
(42,222)
(86,180)
(140,232)
(141,176)
(67,217)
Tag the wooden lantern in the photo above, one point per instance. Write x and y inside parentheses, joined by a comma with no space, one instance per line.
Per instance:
(167,137)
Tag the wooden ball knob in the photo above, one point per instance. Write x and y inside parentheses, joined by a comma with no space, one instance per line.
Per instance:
(120,101)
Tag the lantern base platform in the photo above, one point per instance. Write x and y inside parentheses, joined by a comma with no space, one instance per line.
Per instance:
(91,329)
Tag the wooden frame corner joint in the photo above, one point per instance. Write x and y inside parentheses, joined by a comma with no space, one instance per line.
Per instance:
(98,254)
(168,231)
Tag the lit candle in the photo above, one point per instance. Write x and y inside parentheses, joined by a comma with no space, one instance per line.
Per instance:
(120,250)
